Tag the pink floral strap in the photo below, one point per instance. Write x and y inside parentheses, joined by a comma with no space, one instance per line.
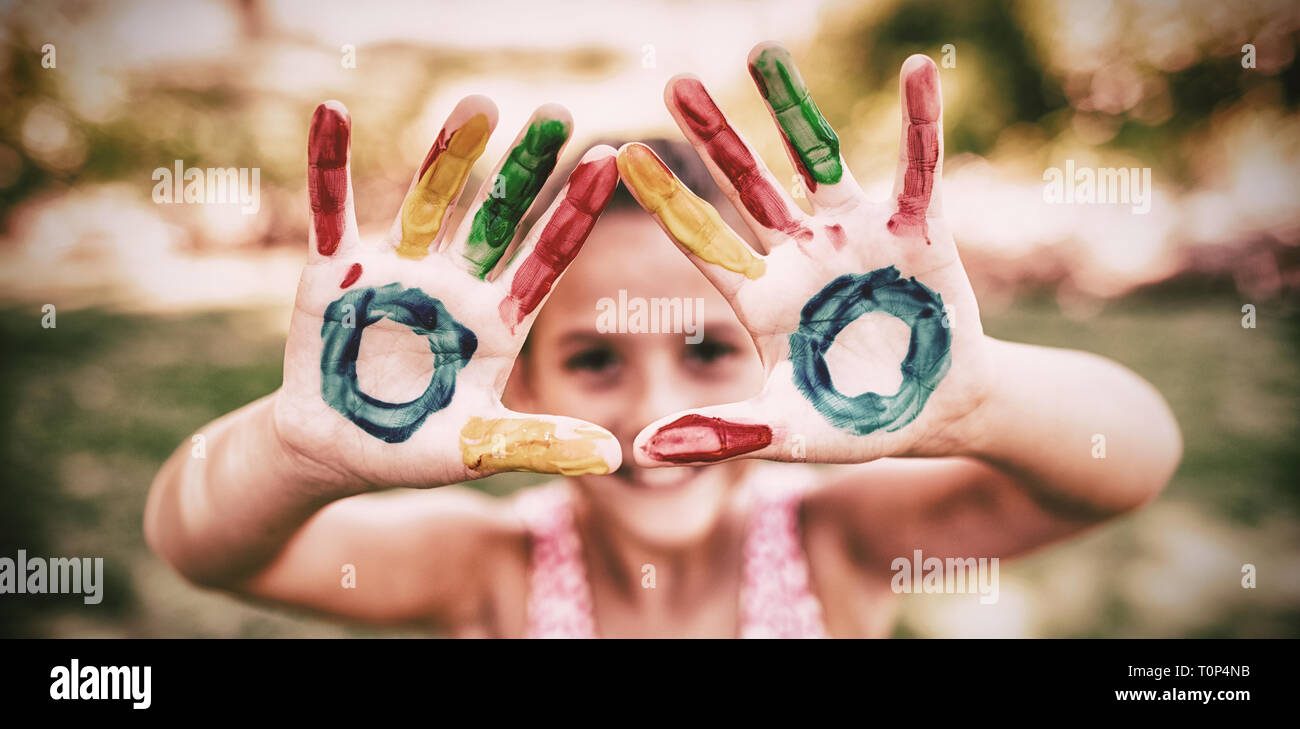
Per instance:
(777,599)
(559,598)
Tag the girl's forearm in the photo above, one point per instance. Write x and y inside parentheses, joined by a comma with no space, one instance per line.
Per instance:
(221,513)
(1080,431)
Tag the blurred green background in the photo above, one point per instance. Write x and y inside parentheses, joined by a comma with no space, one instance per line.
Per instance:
(169,316)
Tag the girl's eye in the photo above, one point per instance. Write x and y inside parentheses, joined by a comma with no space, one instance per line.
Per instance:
(596,359)
(709,351)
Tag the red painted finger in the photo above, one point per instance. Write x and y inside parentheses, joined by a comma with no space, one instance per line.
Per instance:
(588,191)
(922,147)
(698,438)
(327,174)
(754,186)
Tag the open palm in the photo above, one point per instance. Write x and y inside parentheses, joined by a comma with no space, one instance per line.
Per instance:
(399,349)
(862,313)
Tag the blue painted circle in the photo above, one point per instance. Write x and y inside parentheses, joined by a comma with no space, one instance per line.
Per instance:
(842,302)
(451,343)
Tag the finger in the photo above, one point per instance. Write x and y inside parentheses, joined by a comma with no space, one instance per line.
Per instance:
(712,435)
(537,444)
(739,172)
(556,239)
(484,236)
(693,224)
(920,149)
(329,181)
(441,178)
(813,147)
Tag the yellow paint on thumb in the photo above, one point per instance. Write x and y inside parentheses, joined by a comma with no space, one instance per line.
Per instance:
(528,444)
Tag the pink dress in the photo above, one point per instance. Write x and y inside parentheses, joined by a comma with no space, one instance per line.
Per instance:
(776,594)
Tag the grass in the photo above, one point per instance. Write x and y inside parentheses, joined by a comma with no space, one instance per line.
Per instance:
(91,409)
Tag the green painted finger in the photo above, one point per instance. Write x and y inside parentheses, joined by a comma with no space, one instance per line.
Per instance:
(516,185)
(812,140)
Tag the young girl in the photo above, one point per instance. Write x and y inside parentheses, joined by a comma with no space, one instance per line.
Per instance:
(849,336)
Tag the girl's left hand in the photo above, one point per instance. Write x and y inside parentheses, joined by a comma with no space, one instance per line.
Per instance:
(842,386)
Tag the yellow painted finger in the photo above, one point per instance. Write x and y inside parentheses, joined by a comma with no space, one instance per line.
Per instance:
(441,180)
(528,444)
(691,221)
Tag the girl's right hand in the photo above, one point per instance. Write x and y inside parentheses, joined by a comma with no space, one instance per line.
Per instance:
(398,350)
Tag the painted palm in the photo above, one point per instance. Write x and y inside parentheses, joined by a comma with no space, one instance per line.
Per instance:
(862,312)
(399,348)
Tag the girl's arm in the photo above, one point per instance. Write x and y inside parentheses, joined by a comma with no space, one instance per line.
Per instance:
(256,519)
(1065,440)
(397,353)
(870,335)
(1076,430)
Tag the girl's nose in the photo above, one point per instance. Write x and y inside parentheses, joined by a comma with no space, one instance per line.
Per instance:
(663,390)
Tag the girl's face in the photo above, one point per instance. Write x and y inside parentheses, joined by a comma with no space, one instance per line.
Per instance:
(577,363)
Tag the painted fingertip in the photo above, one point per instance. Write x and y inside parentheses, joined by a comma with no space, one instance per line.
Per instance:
(547,132)
(475,104)
(643,171)
(670,88)
(331,130)
(551,111)
(920,78)
(697,108)
(334,106)
(626,147)
(916,61)
(696,438)
(328,144)
(570,448)
(777,77)
(592,182)
(597,152)
(762,47)
(610,451)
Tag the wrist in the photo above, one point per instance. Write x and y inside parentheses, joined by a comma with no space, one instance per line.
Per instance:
(292,467)
(974,435)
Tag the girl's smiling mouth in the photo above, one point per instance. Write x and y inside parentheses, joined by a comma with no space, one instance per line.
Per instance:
(673,477)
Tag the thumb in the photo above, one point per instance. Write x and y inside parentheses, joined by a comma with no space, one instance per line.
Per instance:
(512,441)
(712,435)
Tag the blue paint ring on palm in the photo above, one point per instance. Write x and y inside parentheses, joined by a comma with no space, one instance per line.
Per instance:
(842,302)
(451,343)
